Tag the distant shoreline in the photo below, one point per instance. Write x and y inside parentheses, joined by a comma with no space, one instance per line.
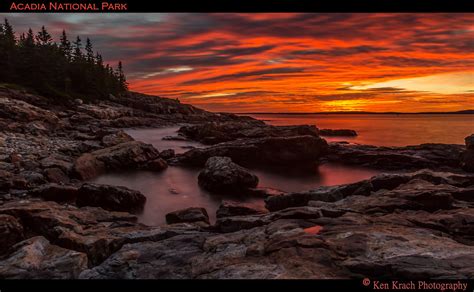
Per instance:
(465,112)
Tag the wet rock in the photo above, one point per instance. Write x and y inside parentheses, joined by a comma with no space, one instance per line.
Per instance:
(423,185)
(56,175)
(158,164)
(298,151)
(337,132)
(112,198)
(426,195)
(56,161)
(94,231)
(5,180)
(467,162)
(32,178)
(166,259)
(55,192)
(84,136)
(37,258)
(324,193)
(236,223)
(220,174)
(116,138)
(175,138)
(102,111)
(11,232)
(37,128)
(189,215)
(382,249)
(19,110)
(415,195)
(167,154)
(469,141)
(232,208)
(263,192)
(129,155)
(87,166)
(459,223)
(218,132)
(15,158)
(432,156)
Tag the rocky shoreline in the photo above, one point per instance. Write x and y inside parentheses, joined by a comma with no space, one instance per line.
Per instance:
(415,221)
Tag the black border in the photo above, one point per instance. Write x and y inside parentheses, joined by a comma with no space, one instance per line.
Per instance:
(209,285)
(193,6)
(271,5)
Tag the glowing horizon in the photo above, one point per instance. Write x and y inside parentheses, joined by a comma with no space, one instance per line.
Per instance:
(286,62)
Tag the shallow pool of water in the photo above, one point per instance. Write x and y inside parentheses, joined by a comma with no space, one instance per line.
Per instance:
(177,187)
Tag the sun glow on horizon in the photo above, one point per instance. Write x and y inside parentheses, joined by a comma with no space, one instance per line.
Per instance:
(446,83)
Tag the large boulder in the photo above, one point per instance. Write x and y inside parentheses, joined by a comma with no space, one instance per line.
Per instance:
(220,174)
(57,161)
(424,189)
(218,132)
(90,230)
(129,155)
(232,208)
(189,215)
(116,138)
(11,232)
(112,198)
(297,151)
(21,111)
(56,192)
(56,175)
(468,156)
(37,258)
(433,156)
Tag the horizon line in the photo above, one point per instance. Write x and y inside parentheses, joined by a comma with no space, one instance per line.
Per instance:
(461,112)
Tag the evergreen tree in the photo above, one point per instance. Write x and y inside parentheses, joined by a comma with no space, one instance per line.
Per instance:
(61,70)
(65,45)
(7,51)
(8,35)
(122,81)
(99,60)
(77,55)
(89,51)
(43,38)
(30,40)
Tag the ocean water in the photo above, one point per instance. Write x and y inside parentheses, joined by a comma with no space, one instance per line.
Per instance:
(385,129)
(177,188)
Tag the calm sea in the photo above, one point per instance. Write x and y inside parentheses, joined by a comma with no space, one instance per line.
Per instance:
(385,129)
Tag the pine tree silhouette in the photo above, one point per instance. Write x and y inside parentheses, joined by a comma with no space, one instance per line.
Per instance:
(60,71)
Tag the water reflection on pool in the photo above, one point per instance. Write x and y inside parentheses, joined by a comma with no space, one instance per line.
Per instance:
(177,188)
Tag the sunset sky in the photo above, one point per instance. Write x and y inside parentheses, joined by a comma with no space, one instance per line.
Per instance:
(285,62)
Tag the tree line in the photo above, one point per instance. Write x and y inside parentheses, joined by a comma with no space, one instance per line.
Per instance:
(60,71)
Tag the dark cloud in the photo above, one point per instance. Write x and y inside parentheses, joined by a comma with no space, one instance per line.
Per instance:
(243,51)
(244,74)
(163,62)
(338,51)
